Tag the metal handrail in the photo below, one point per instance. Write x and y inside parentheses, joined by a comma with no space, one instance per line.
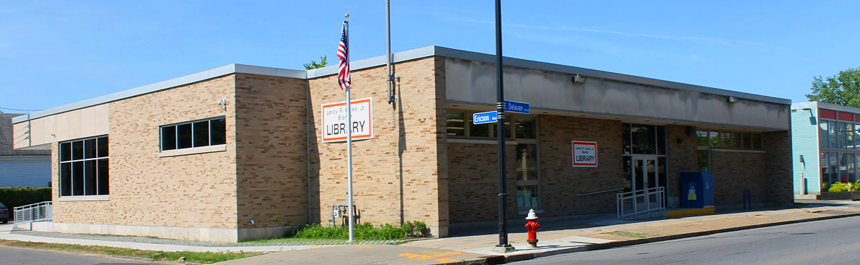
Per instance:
(598,192)
(635,194)
(35,212)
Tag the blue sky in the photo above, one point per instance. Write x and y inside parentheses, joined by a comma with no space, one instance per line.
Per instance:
(59,52)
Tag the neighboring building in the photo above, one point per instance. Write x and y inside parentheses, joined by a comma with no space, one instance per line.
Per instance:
(21,168)
(238,152)
(825,152)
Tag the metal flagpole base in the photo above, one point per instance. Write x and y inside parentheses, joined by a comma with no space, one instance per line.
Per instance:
(504,249)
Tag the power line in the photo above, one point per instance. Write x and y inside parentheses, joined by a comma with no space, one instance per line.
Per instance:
(19,109)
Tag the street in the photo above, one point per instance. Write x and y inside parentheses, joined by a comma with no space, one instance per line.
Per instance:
(12,256)
(823,242)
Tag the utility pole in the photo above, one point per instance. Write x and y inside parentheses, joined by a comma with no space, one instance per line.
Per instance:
(503,245)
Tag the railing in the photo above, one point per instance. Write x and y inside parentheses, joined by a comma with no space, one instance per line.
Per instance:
(36,212)
(644,202)
(598,192)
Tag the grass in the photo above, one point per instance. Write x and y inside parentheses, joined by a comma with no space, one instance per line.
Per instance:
(197,257)
(632,234)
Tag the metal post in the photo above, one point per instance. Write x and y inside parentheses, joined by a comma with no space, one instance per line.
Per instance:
(500,131)
(390,77)
(349,145)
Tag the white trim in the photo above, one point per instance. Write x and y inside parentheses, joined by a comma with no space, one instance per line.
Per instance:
(194,150)
(479,141)
(84,198)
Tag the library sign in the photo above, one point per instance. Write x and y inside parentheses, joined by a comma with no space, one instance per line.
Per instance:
(584,153)
(335,125)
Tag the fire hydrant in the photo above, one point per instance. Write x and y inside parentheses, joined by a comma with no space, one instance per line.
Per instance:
(532,226)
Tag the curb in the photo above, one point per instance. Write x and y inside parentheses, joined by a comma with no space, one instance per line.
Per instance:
(500,259)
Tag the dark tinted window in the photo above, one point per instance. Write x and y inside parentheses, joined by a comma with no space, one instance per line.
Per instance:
(78,178)
(90,177)
(90,148)
(185,139)
(201,133)
(65,151)
(66,179)
(103,146)
(168,138)
(103,177)
(219,132)
(77,150)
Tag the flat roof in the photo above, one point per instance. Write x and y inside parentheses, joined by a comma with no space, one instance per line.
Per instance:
(824,105)
(409,55)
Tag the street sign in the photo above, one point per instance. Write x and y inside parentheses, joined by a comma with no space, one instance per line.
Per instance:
(517,107)
(484,117)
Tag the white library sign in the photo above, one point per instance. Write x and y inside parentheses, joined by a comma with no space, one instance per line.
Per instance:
(334,120)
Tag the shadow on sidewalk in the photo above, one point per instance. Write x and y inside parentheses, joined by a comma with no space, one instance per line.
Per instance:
(607,219)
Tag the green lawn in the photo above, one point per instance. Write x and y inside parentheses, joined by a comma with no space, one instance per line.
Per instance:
(198,257)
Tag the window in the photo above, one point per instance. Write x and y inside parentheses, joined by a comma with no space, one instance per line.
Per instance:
(456,124)
(459,125)
(84,167)
(193,134)
(523,129)
(703,161)
(729,140)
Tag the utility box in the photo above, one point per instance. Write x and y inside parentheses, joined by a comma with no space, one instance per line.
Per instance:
(697,190)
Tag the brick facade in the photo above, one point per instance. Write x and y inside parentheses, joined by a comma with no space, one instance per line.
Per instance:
(399,171)
(192,191)
(271,151)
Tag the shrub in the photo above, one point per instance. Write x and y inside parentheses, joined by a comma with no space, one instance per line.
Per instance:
(839,187)
(363,231)
(17,196)
(416,229)
(856,185)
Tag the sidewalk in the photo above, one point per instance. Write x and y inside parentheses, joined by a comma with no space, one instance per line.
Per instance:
(556,237)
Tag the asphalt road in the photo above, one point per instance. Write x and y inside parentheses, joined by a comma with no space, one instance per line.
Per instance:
(15,256)
(834,241)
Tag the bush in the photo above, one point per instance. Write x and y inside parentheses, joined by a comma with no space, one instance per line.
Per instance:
(363,231)
(839,187)
(17,196)
(416,229)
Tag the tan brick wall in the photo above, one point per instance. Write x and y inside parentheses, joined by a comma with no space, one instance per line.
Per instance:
(271,151)
(474,181)
(474,178)
(680,158)
(778,169)
(766,175)
(196,190)
(405,152)
(560,181)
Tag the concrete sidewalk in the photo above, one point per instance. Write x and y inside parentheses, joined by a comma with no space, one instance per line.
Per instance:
(556,238)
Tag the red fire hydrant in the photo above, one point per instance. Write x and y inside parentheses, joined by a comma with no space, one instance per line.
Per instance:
(532,226)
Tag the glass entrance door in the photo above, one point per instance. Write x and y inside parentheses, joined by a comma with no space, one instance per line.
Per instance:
(644,173)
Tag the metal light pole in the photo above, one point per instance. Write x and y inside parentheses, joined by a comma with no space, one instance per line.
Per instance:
(503,245)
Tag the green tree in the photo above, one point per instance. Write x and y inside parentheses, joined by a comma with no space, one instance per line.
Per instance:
(315,65)
(842,89)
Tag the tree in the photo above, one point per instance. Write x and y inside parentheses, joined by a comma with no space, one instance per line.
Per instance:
(842,89)
(315,65)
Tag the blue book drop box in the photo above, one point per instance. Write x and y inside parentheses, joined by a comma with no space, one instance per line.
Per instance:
(697,190)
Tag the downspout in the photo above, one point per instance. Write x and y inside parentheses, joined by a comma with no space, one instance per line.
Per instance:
(29,132)
(308,147)
(390,77)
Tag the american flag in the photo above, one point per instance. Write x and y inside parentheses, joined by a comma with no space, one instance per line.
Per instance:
(343,53)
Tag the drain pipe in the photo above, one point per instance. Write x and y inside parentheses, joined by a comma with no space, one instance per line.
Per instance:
(390,77)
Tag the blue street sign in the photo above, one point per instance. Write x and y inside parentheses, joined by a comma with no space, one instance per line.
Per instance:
(484,117)
(518,107)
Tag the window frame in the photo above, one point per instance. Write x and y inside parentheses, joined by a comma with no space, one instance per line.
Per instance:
(193,143)
(96,159)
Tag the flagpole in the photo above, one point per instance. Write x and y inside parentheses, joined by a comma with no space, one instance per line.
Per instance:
(349,143)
